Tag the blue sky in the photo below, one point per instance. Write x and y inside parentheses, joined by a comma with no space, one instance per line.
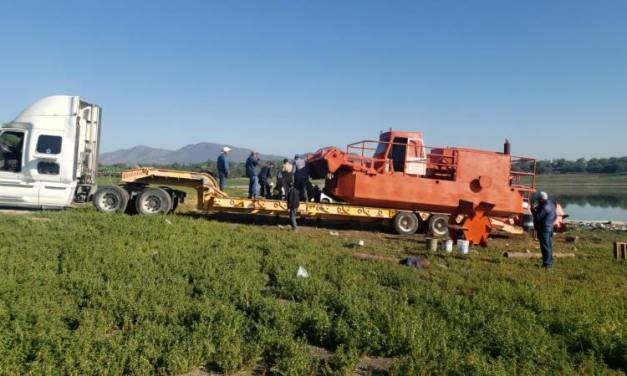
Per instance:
(293,76)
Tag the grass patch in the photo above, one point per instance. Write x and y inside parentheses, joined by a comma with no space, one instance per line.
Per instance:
(89,293)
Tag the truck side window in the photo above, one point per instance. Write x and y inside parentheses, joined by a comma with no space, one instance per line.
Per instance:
(49,144)
(11,151)
(48,168)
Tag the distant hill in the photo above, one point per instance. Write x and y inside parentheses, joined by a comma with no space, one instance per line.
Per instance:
(193,153)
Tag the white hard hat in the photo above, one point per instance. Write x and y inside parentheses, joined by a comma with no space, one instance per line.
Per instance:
(226,149)
(544,196)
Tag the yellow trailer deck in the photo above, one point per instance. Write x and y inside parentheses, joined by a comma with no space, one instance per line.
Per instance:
(211,199)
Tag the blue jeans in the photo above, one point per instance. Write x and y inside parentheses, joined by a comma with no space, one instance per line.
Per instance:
(264,188)
(546,246)
(222,177)
(253,186)
(293,222)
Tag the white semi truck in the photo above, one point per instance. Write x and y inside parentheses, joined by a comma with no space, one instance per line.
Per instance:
(49,154)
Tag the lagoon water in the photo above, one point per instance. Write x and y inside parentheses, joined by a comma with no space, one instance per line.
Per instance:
(595,207)
(595,213)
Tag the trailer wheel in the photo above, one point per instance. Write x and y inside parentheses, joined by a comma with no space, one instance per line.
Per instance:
(406,223)
(110,199)
(153,201)
(438,225)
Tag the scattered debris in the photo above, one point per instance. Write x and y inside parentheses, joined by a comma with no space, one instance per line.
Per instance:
(620,250)
(360,243)
(599,225)
(376,365)
(168,221)
(302,272)
(367,256)
(334,233)
(415,261)
(319,353)
(535,255)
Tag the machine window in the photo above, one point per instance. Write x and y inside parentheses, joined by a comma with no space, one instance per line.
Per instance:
(381,148)
(49,144)
(48,168)
(11,151)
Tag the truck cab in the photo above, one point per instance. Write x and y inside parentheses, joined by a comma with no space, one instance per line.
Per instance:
(49,154)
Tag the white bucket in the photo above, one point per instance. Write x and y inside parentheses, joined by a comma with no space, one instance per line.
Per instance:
(446,245)
(464,246)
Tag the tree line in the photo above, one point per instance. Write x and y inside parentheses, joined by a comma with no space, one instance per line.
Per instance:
(612,165)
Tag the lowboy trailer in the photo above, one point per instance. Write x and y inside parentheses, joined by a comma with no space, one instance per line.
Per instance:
(150,191)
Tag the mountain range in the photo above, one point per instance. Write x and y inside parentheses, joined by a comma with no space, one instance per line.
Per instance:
(193,153)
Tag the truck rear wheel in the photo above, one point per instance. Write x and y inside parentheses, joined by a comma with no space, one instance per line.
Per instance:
(110,199)
(153,201)
(406,223)
(438,225)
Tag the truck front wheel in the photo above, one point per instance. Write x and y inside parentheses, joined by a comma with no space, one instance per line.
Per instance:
(110,199)
(153,201)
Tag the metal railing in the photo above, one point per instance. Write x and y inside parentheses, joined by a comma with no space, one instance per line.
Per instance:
(438,164)
(523,173)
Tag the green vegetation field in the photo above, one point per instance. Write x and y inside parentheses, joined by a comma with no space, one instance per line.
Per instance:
(86,293)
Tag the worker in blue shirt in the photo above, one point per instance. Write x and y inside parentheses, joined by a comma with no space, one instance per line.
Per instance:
(251,173)
(544,215)
(223,166)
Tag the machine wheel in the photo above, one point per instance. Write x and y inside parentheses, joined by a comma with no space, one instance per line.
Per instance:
(153,201)
(438,225)
(110,199)
(406,223)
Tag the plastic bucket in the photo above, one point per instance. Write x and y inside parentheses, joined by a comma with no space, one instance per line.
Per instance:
(432,244)
(446,246)
(464,246)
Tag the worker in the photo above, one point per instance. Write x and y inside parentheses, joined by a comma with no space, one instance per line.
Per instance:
(543,220)
(301,176)
(264,180)
(293,202)
(251,172)
(223,166)
(287,176)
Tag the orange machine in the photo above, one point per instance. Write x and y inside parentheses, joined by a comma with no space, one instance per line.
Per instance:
(398,171)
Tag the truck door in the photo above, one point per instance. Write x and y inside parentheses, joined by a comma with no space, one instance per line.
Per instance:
(16,187)
(47,167)
(397,154)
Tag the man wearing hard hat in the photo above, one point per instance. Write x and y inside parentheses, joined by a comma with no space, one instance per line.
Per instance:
(544,215)
(223,166)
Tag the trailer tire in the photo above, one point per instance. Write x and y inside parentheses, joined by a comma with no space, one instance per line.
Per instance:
(110,199)
(438,225)
(406,223)
(153,201)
